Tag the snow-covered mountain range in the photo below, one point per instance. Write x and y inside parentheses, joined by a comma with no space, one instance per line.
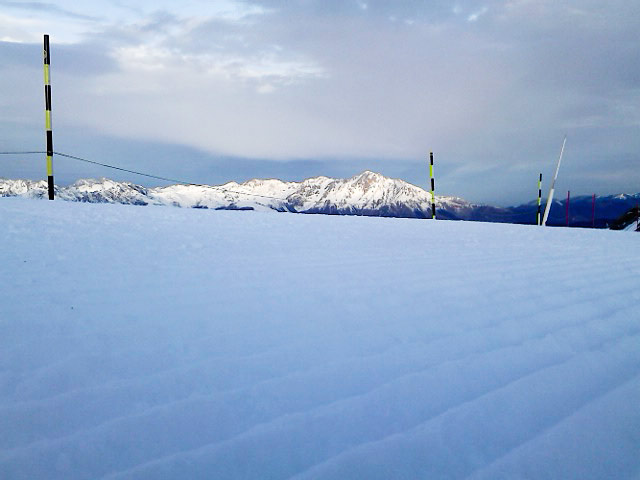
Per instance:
(367,193)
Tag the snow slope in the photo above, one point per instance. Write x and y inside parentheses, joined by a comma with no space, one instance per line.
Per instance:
(140,343)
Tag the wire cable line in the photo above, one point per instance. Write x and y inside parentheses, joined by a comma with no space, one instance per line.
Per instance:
(148,175)
(20,153)
(167,179)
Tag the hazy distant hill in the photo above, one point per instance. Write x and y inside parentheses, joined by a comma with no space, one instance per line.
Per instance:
(627,221)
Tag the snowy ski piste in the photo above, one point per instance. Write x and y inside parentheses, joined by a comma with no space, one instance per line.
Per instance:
(162,343)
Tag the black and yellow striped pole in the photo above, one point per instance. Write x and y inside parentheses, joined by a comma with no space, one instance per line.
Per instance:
(538,218)
(433,198)
(47,101)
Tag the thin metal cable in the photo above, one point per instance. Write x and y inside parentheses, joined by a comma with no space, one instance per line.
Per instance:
(157,177)
(73,157)
(20,153)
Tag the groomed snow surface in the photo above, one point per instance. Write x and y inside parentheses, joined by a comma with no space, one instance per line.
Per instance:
(161,343)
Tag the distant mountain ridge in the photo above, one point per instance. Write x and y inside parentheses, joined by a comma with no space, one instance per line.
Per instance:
(629,220)
(368,193)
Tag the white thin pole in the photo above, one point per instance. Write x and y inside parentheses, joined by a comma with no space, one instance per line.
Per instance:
(553,185)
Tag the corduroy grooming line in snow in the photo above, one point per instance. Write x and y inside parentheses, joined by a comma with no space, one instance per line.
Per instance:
(47,113)
(433,198)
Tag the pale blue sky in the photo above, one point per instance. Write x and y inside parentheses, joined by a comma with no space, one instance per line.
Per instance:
(212,91)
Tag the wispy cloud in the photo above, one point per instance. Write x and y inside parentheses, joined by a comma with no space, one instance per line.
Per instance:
(46,7)
(477,14)
(233,51)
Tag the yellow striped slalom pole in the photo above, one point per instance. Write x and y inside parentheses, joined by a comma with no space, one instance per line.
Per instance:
(433,198)
(538,218)
(47,113)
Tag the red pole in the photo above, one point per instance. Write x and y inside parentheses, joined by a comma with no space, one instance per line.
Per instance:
(568,196)
(593,211)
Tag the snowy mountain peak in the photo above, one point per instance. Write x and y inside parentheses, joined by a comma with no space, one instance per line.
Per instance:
(23,188)
(368,177)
